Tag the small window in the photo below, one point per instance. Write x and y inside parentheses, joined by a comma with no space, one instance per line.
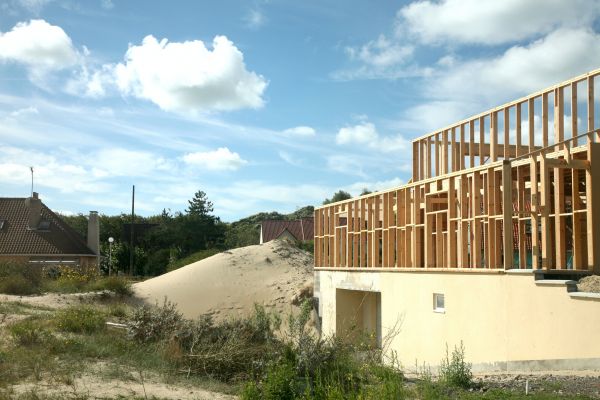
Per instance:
(439,304)
(44,225)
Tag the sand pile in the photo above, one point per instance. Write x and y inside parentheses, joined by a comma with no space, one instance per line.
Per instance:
(275,274)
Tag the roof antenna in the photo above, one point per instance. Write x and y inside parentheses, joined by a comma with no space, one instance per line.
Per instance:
(31,168)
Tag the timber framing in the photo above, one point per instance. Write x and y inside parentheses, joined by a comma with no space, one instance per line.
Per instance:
(510,188)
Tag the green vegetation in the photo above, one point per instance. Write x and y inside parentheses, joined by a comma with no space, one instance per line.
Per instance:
(249,357)
(175,240)
(338,196)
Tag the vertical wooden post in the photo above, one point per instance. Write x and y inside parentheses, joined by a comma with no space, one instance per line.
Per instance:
(349,234)
(451,224)
(521,223)
(416,241)
(577,236)
(531,120)
(507,211)
(317,238)
(416,173)
(545,119)
(437,154)
(592,183)
(545,211)
(535,217)
(471,144)
(506,133)
(590,108)
(518,150)
(559,187)
(574,127)
(476,211)
(336,234)
(494,136)
(444,156)
(481,140)
(461,152)
(363,233)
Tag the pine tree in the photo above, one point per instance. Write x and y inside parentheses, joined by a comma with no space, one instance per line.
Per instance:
(200,205)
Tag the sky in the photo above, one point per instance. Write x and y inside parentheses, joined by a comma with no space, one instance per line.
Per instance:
(264,105)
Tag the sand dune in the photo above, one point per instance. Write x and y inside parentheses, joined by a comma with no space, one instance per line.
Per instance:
(228,284)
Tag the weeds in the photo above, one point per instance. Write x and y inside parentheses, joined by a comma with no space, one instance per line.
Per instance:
(454,370)
(20,278)
(80,319)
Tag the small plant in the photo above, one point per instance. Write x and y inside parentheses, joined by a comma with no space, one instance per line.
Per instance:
(20,278)
(153,323)
(80,319)
(454,370)
(29,333)
(116,284)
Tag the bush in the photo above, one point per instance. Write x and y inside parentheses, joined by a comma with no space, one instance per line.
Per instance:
(29,333)
(115,284)
(20,278)
(454,371)
(153,323)
(80,319)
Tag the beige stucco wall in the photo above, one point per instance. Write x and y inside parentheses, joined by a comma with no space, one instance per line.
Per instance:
(505,321)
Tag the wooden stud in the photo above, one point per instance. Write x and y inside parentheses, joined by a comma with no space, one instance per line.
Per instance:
(590,109)
(451,225)
(535,214)
(475,213)
(444,156)
(546,246)
(559,188)
(481,140)
(507,211)
(574,127)
(545,120)
(507,133)
(531,120)
(494,136)
(437,154)
(471,144)
(578,257)
(592,180)
(518,150)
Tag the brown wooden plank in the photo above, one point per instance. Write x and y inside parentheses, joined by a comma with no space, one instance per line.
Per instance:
(518,150)
(451,225)
(471,144)
(531,120)
(494,136)
(545,189)
(574,127)
(592,180)
(535,216)
(545,119)
(475,212)
(507,211)
(481,140)
(578,257)
(590,108)
(506,133)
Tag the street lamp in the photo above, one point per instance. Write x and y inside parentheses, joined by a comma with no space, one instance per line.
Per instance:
(110,242)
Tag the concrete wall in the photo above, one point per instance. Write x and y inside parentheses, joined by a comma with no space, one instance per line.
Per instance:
(505,321)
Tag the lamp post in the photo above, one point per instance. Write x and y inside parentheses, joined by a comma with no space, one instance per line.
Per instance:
(110,242)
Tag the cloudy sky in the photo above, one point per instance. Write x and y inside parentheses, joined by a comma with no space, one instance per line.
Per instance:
(265,105)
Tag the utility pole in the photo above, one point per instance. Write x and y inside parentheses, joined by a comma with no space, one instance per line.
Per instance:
(131,248)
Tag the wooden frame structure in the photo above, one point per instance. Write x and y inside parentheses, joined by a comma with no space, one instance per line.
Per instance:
(500,190)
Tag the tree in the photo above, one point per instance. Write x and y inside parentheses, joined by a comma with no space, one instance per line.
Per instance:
(365,191)
(200,205)
(338,196)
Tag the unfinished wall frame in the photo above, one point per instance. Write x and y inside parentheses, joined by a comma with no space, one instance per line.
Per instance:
(524,203)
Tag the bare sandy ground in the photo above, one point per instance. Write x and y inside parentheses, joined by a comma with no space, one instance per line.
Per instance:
(275,274)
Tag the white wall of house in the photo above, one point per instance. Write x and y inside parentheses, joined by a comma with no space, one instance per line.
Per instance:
(506,321)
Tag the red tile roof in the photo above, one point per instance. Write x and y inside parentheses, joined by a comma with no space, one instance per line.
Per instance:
(17,239)
(302,229)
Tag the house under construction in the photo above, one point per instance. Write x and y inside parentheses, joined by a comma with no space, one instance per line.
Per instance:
(482,245)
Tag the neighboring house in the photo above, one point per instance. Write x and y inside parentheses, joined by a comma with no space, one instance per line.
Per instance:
(30,232)
(431,264)
(300,230)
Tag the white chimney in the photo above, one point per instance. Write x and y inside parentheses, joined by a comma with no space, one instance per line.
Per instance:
(34,204)
(93,236)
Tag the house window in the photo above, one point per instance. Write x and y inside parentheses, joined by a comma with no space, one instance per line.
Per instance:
(439,305)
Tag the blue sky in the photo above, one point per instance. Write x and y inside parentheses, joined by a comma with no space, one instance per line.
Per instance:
(264,105)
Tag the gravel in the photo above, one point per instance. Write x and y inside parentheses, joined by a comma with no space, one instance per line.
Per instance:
(590,284)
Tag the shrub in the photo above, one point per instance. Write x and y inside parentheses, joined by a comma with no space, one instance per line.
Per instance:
(154,323)
(80,319)
(454,371)
(29,333)
(20,278)
(115,284)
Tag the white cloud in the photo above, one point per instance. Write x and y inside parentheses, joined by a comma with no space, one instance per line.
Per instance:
(33,6)
(188,77)
(124,162)
(492,22)
(254,19)
(221,159)
(21,112)
(300,131)
(346,164)
(358,187)
(366,134)
(38,45)
(381,53)
(290,159)
(519,70)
